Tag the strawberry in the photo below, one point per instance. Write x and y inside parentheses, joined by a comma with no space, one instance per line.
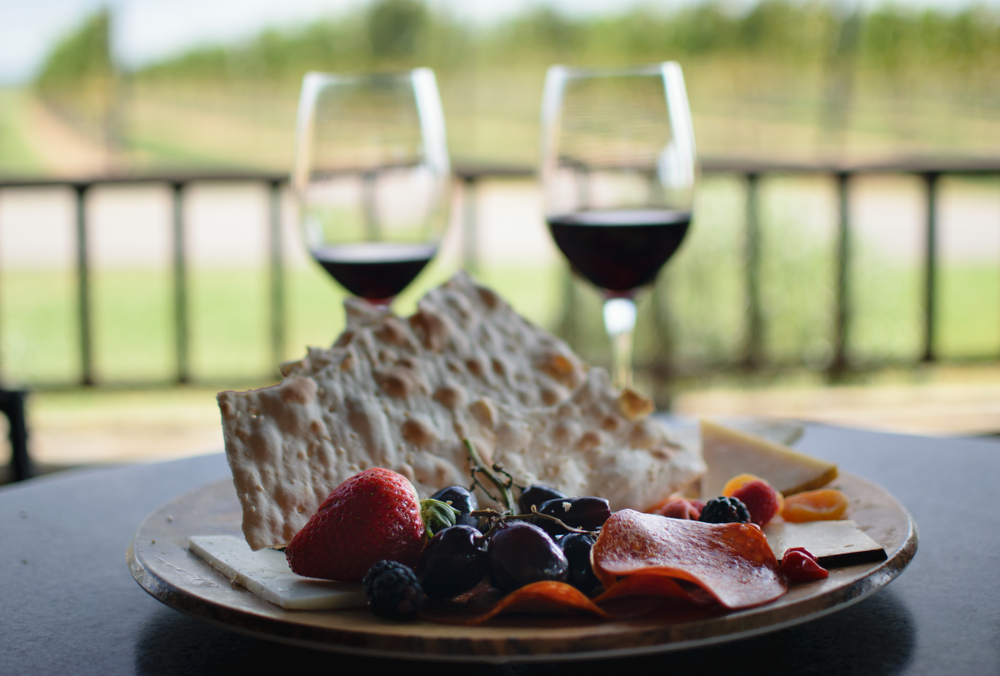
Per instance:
(374,515)
(762,501)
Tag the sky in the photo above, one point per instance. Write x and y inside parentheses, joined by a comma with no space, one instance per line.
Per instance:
(149,30)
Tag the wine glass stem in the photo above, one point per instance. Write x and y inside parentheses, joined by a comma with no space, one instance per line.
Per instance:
(619,321)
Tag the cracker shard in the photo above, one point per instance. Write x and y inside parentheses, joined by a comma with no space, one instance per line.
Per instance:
(402,394)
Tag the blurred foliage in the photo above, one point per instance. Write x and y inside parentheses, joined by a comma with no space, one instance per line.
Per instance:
(785,77)
(407,33)
(81,56)
(394,28)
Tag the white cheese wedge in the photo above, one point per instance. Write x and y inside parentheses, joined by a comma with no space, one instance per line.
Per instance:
(836,543)
(266,574)
(728,453)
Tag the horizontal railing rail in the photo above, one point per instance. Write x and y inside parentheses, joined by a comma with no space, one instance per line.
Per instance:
(470,176)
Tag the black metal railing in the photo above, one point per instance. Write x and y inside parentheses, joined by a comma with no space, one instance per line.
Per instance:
(929,172)
(178,185)
(470,177)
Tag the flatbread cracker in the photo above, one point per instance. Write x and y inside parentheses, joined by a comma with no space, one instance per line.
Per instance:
(402,394)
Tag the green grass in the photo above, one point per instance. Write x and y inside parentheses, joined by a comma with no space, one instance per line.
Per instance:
(887,311)
(38,326)
(700,303)
(968,323)
(134,336)
(131,315)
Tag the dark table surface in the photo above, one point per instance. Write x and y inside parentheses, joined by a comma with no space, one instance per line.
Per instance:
(68,604)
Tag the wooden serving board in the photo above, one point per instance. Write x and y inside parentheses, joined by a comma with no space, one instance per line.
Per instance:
(159,560)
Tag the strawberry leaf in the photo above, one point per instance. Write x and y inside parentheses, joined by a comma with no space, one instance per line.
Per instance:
(437,516)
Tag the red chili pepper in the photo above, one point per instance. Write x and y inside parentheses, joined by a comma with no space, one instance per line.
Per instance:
(799,565)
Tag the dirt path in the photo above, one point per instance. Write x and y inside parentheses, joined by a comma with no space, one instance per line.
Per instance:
(61,149)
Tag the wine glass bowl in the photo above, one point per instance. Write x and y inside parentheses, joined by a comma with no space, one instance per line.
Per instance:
(372,177)
(618,173)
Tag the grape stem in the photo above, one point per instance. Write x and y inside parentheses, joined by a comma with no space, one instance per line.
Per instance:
(476,465)
(508,506)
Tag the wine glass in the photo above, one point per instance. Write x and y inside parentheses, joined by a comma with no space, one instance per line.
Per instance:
(618,172)
(372,177)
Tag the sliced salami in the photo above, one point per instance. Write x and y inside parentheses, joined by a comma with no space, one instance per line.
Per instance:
(732,561)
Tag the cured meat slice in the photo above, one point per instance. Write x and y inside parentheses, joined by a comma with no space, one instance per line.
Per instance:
(731,561)
(647,584)
(544,597)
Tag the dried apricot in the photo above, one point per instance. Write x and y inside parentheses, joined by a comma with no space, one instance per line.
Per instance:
(738,482)
(827,504)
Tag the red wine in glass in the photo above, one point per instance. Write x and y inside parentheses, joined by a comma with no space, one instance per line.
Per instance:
(372,177)
(375,271)
(618,171)
(619,250)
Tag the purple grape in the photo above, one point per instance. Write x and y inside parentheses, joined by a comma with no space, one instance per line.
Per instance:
(535,495)
(453,562)
(520,553)
(576,547)
(588,513)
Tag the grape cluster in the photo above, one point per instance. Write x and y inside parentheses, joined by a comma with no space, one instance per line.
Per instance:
(549,538)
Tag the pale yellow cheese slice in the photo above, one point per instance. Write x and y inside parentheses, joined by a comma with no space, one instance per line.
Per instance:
(832,542)
(728,453)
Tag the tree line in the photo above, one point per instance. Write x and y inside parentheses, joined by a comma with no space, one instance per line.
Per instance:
(406,33)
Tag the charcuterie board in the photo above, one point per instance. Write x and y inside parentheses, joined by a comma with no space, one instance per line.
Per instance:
(161,562)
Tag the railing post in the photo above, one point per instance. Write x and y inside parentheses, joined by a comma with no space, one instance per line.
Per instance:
(1,333)
(12,406)
(181,334)
(277,276)
(83,286)
(469,239)
(842,318)
(930,265)
(752,349)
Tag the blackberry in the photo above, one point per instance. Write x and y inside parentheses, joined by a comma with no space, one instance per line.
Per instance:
(393,591)
(725,510)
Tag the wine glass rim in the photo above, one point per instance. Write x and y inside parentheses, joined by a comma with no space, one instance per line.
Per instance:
(428,103)
(613,71)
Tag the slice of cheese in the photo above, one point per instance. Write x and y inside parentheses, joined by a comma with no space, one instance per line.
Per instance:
(834,543)
(728,453)
(266,574)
